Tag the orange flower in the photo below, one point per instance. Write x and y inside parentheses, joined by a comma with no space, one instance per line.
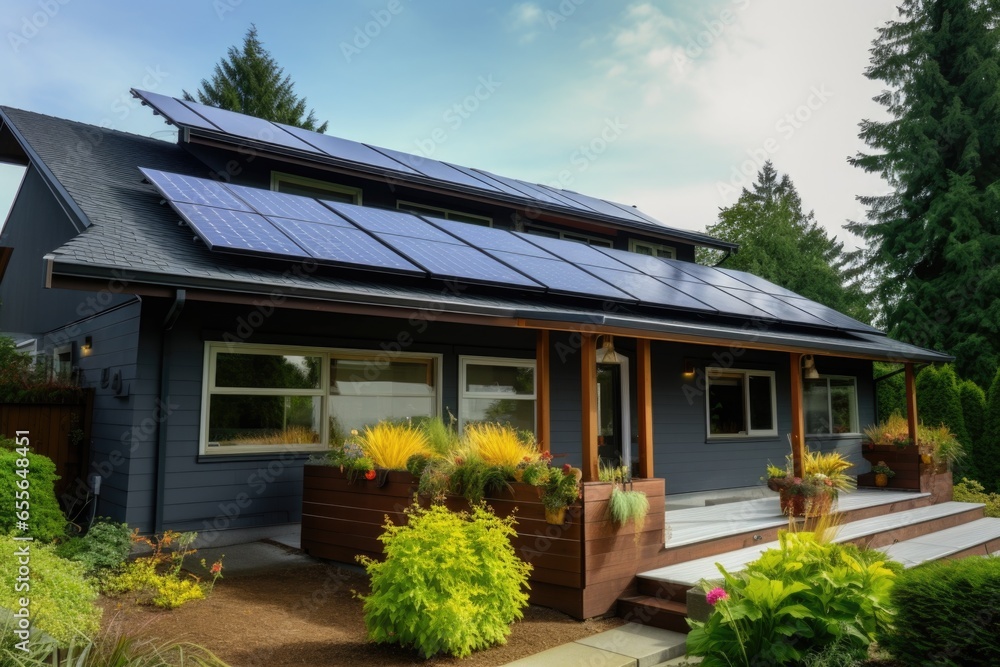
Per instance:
(370,474)
(216,567)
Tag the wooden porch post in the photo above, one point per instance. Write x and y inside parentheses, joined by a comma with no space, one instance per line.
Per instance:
(542,384)
(588,405)
(798,435)
(644,388)
(911,403)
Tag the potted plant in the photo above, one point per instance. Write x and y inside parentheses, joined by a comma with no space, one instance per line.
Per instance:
(941,445)
(893,432)
(558,487)
(813,494)
(624,505)
(882,474)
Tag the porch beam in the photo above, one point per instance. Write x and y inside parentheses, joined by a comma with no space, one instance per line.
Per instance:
(543,407)
(798,434)
(644,388)
(588,405)
(911,403)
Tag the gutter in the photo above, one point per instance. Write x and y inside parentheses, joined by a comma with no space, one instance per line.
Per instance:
(180,298)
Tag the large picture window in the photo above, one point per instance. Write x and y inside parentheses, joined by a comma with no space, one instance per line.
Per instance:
(273,398)
(740,403)
(499,390)
(830,405)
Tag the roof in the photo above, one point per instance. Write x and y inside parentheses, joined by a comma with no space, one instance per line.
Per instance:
(131,237)
(198,120)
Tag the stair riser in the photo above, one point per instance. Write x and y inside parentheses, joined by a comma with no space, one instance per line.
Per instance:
(657,618)
(914,530)
(663,590)
(989,547)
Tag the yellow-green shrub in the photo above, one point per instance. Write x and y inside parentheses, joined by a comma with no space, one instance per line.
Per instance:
(499,444)
(389,445)
(450,583)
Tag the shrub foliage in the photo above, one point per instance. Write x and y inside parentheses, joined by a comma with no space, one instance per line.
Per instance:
(105,546)
(450,583)
(948,614)
(46,521)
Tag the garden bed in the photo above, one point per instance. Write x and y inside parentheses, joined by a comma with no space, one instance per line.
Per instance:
(580,568)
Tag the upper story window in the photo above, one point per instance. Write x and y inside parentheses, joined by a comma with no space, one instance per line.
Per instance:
(740,403)
(311,187)
(652,249)
(570,236)
(830,405)
(447,214)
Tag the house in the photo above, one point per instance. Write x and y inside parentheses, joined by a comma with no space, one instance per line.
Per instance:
(249,293)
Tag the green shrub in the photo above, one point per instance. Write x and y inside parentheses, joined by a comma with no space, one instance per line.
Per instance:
(796,601)
(947,613)
(62,598)
(891,392)
(105,546)
(971,491)
(938,400)
(450,583)
(988,460)
(46,521)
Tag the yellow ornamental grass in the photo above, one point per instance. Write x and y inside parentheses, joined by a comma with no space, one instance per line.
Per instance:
(499,445)
(391,445)
(831,464)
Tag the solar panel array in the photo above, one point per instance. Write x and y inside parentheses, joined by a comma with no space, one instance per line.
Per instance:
(200,117)
(250,221)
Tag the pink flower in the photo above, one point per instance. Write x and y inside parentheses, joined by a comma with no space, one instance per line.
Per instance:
(716,595)
(567,469)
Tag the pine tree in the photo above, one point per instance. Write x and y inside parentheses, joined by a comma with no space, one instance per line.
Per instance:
(989,458)
(934,240)
(890,393)
(782,243)
(251,82)
(973,400)
(938,400)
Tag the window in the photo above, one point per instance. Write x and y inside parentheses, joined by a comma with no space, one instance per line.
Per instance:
(445,213)
(652,249)
(311,187)
(501,390)
(272,398)
(830,405)
(570,236)
(62,362)
(740,403)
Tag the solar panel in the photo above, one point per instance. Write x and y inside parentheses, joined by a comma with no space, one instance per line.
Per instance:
(560,276)
(378,220)
(491,182)
(649,290)
(523,189)
(249,127)
(342,245)
(281,205)
(651,266)
(755,282)
(719,299)
(709,274)
(600,206)
(222,229)
(190,190)
(489,238)
(834,317)
(570,203)
(174,111)
(444,260)
(782,311)
(434,169)
(575,252)
(346,149)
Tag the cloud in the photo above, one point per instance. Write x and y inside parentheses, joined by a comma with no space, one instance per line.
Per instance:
(526,17)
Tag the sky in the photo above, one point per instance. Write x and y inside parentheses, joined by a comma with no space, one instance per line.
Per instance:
(668,105)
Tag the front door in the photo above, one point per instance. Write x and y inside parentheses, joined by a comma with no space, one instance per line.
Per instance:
(614,433)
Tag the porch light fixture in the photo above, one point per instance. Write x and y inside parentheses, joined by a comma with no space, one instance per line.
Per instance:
(608,355)
(809,371)
(688,368)
(88,345)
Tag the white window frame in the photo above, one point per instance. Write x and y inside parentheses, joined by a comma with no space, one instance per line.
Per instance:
(586,238)
(463,364)
(446,213)
(855,427)
(57,370)
(747,374)
(659,250)
(278,177)
(213,348)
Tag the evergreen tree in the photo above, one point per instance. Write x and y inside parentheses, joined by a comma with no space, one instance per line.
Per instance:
(780,242)
(973,400)
(251,82)
(989,459)
(934,240)
(890,393)
(938,400)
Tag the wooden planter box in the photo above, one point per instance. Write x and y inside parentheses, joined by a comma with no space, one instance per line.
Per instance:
(580,568)
(905,462)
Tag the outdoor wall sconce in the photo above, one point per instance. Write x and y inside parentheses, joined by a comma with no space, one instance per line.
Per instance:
(809,371)
(688,368)
(88,345)
(608,348)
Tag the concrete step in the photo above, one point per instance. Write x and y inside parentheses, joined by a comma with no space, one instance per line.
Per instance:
(631,645)
(654,611)
(977,538)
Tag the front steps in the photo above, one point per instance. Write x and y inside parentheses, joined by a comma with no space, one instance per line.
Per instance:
(910,531)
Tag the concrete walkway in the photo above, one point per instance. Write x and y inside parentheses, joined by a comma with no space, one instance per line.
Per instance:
(631,645)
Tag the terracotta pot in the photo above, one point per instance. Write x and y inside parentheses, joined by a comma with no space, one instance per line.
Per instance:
(555,517)
(772,483)
(812,506)
(881,479)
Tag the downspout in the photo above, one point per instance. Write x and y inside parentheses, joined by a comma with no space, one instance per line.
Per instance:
(180,296)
